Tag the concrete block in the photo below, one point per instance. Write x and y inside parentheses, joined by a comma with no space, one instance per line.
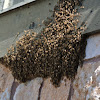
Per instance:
(93,46)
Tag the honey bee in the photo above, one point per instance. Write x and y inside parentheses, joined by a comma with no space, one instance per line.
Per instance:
(55,53)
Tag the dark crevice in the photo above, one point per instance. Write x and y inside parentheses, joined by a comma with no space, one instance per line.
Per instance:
(40,89)
(13,89)
(93,59)
(71,91)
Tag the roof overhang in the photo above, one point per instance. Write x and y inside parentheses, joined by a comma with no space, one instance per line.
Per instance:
(90,15)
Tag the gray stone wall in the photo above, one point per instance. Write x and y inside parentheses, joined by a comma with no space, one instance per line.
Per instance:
(18,20)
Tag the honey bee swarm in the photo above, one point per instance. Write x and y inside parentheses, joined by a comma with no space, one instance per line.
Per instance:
(55,53)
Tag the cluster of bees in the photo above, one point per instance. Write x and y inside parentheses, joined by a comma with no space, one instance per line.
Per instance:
(55,53)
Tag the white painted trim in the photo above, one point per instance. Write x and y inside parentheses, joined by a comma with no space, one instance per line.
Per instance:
(15,6)
(6,4)
(1,4)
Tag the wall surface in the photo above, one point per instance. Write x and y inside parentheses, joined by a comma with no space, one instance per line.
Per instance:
(86,85)
(22,18)
(90,15)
